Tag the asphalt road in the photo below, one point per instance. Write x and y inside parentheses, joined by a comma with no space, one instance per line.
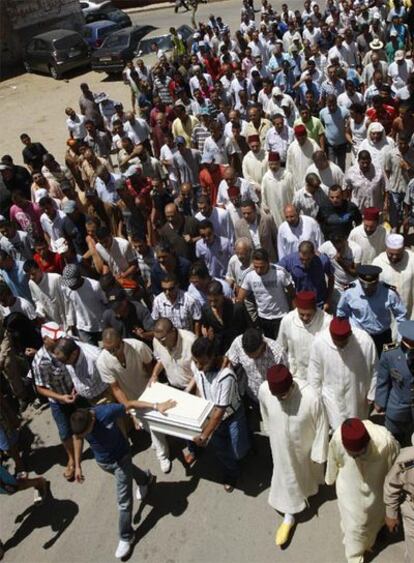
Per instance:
(187,518)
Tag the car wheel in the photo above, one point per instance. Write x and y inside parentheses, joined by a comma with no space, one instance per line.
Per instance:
(54,73)
(27,66)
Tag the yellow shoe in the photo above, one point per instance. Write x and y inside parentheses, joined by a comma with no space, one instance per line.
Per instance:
(283,533)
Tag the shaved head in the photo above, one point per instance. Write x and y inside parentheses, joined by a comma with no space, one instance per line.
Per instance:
(110,336)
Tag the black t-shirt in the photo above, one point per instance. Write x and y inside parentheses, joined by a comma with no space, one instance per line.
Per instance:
(338,220)
(138,317)
(235,322)
(33,155)
(176,238)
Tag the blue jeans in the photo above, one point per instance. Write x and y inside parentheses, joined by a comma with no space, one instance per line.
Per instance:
(124,471)
(231,443)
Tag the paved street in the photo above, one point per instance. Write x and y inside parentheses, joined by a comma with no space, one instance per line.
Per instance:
(187,518)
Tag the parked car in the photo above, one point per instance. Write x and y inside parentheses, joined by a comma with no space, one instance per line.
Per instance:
(163,42)
(97,11)
(55,52)
(94,33)
(118,48)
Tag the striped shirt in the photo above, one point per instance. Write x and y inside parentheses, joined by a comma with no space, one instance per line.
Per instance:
(199,136)
(220,387)
(182,313)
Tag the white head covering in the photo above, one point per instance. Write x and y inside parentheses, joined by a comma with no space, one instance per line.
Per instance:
(394,241)
(51,330)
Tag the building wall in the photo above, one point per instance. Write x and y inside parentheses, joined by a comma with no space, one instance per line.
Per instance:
(20,20)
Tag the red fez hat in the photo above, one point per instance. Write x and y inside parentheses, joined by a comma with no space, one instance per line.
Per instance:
(354,435)
(274,156)
(371,213)
(340,328)
(253,139)
(233,191)
(279,379)
(306,299)
(300,129)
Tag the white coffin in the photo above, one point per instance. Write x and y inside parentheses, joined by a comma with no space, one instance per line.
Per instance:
(186,420)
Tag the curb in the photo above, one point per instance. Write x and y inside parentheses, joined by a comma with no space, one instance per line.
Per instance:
(156,7)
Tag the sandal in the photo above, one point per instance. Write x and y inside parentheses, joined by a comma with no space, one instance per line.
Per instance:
(69,473)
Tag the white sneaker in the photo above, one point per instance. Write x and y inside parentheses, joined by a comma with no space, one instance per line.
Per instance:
(142,490)
(165,465)
(124,547)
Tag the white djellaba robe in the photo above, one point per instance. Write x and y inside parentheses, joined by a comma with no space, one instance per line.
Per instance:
(371,245)
(299,158)
(400,275)
(278,190)
(254,167)
(296,339)
(298,431)
(359,487)
(344,377)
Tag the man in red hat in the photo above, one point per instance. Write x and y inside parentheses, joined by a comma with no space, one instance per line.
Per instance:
(370,235)
(278,188)
(295,421)
(254,164)
(360,456)
(299,155)
(298,330)
(343,370)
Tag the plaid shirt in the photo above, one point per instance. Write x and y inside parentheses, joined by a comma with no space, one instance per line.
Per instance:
(182,313)
(50,373)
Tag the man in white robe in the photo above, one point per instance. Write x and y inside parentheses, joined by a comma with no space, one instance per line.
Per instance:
(296,229)
(360,456)
(277,188)
(397,265)
(295,421)
(47,294)
(298,330)
(254,164)
(299,155)
(370,235)
(343,371)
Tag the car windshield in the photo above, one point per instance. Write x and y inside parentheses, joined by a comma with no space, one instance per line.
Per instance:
(67,42)
(163,43)
(120,40)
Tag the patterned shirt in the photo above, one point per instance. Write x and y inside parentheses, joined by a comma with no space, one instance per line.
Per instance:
(199,136)
(50,373)
(182,313)
(256,369)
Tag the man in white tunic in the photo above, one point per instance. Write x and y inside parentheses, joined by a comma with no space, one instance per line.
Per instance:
(296,229)
(254,164)
(47,294)
(397,265)
(343,370)
(277,188)
(298,330)
(359,458)
(299,155)
(370,235)
(295,421)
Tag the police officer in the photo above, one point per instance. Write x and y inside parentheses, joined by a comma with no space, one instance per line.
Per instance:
(399,495)
(368,304)
(395,385)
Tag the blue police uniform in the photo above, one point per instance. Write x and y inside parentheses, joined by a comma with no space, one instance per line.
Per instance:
(372,313)
(395,390)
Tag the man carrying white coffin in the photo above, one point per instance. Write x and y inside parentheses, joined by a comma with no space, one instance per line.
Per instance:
(298,330)
(172,350)
(226,429)
(343,371)
(296,423)
(126,365)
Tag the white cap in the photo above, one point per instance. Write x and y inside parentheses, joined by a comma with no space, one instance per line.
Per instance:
(394,241)
(61,245)
(277,91)
(399,56)
(376,127)
(51,330)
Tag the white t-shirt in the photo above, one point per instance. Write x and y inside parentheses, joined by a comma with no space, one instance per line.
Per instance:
(21,305)
(269,291)
(353,254)
(177,362)
(118,257)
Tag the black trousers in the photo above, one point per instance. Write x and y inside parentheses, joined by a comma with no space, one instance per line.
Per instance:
(381,339)
(270,327)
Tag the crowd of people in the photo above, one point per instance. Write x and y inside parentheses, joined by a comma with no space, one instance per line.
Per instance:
(241,233)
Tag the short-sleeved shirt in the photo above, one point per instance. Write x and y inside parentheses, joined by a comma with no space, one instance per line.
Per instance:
(220,387)
(269,291)
(334,125)
(353,255)
(119,257)
(50,373)
(132,378)
(182,313)
(177,362)
(106,440)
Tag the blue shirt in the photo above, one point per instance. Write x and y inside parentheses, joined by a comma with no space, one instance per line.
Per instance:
(312,278)
(106,439)
(371,313)
(17,281)
(181,272)
(215,255)
(334,125)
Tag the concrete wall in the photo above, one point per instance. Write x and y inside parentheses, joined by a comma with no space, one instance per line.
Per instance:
(20,20)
